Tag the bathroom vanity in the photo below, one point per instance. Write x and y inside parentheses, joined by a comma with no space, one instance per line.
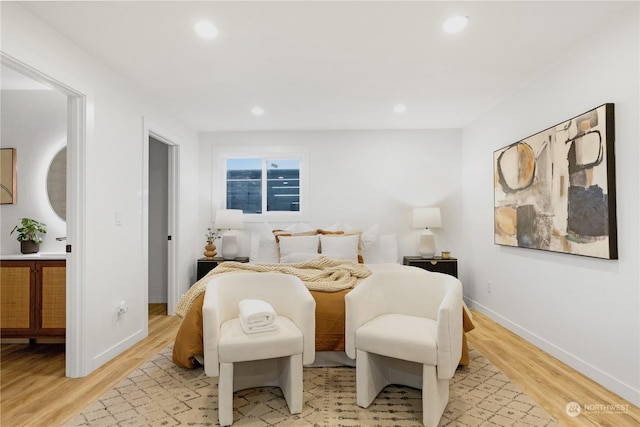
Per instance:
(32,296)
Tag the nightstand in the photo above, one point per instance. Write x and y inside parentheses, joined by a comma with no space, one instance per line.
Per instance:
(205,265)
(435,264)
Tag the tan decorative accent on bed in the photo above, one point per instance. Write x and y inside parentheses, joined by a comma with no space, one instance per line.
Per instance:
(278,233)
(319,274)
(328,232)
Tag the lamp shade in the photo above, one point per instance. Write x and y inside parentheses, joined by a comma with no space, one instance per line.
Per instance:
(229,219)
(426,218)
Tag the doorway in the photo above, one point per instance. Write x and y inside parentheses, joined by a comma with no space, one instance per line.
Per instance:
(158,221)
(161,160)
(78,127)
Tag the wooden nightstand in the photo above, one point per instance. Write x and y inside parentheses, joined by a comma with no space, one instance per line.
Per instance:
(205,265)
(435,264)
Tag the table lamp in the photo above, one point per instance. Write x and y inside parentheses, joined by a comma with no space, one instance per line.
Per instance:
(426,218)
(229,220)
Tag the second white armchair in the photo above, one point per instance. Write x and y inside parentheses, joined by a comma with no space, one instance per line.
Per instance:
(405,327)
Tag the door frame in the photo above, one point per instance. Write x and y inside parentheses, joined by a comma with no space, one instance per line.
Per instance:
(79,134)
(158,132)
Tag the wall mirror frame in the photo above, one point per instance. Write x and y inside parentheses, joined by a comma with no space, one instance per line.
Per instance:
(57,183)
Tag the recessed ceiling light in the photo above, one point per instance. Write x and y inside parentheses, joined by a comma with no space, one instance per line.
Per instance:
(400,109)
(257,111)
(206,29)
(455,24)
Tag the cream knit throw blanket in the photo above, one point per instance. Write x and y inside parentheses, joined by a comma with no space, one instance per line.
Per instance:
(319,274)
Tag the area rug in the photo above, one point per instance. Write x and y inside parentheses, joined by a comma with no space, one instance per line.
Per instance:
(160,393)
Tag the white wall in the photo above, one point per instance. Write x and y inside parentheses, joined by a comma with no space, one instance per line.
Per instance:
(34,122)
(361,178)
(585,311)
(115,264)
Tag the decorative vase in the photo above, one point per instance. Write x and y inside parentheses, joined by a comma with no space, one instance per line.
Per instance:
(210,250)
(29,247)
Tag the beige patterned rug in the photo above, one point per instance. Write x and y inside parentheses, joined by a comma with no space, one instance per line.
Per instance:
(160,393)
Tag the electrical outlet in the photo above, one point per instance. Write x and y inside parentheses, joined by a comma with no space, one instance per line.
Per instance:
(489,287)
(122,309)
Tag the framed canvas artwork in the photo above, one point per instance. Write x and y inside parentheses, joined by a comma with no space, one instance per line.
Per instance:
(8,176)
(556,191)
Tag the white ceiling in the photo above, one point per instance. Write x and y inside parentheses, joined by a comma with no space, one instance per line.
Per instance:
(328,65)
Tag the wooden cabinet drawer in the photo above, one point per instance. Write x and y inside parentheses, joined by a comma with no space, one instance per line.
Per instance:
(436,264)
(32,299)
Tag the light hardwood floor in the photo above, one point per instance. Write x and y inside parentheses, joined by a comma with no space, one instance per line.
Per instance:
(549,382)
(34,391)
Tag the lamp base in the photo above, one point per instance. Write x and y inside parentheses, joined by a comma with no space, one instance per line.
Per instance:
(229,246)
(427,246)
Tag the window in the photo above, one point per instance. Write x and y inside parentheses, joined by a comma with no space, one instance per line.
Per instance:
(268,185)
(263,185)
(244,185)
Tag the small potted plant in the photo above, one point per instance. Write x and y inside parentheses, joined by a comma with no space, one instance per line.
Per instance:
(210,248)
(29,235)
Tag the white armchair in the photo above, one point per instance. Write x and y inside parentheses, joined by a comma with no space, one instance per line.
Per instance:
(405,327)
(272,358)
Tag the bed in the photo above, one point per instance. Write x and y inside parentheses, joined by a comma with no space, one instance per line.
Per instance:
(330,308)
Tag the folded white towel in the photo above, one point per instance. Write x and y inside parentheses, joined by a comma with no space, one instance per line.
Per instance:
(255,312)
(255,329)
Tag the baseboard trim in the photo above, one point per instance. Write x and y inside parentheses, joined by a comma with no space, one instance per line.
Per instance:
(117,349)
(613,384)
(157,299)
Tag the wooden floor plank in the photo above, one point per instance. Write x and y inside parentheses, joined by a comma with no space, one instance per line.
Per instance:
(549,382)
(35,392)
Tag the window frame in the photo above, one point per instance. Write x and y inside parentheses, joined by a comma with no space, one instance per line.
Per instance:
(219,187)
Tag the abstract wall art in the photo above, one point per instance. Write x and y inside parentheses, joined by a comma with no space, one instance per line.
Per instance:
(556,191)
(8,194)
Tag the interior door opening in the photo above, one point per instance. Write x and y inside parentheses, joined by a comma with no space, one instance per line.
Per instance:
(161,161)
(158,221)
(76,364)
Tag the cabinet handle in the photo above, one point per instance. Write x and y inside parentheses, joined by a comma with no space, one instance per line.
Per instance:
(434,262)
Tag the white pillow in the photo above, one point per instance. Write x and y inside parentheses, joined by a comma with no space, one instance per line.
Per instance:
(254,249)
(340,246)
(264,248)
(389,247)
(298,244)
(299,227)
(296,257)
(371,251)
(339,226)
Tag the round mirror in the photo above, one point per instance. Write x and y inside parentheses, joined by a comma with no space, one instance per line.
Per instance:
(57,183)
